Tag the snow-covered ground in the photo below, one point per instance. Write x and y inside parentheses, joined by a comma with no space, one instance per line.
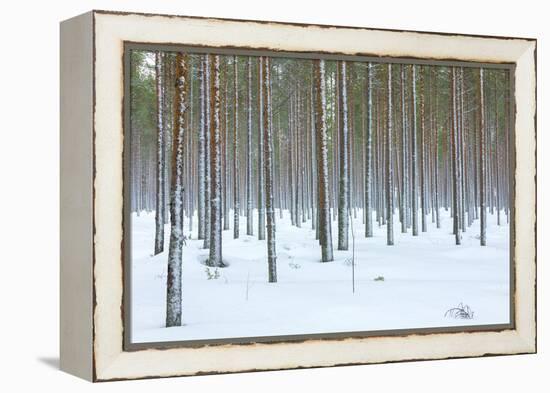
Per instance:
(424,276)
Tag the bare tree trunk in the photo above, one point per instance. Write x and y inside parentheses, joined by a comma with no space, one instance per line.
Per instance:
(343,198)
(215,258)
(324,224)
(268,168)
(404,171)
(368,158)
(261,211)
(414,164)
(207,154)
(249,210)
(173,285)
(497,162)
(422,151)
(225,144)
(312,147)
(236,190)
(456,175)
(159,201)
(436,157)
(202,150)
(389,166)
(482,153)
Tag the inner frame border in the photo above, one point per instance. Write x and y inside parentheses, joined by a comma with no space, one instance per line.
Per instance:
(126,308)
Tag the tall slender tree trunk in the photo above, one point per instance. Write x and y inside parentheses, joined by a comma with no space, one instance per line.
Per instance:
(261,210)
(160,176)
(455,163)
(368,158)
(389,166)
(173,285)
(202,150)
(343,198)
(482,154)
(497,161)
(249,210)
(215,257)
(324,224)
(422,151)
(207,154)
(268,168)
(436,156)
(414,163)
(225,144)
(312,147)
(236,174)
(404,170)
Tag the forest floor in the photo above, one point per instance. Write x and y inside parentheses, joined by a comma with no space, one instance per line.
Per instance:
(423,277)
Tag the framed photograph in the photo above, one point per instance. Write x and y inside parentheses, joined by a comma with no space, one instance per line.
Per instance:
(246,195)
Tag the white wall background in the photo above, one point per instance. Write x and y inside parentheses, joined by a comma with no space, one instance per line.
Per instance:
(29,239)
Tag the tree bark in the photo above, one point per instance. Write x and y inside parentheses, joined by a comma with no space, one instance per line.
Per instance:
(324,224)
(261,210)
(414,164)
(215,256)
(249,210)
(482,153)
(236,174)
(160,177)
(268,169)
(202,150)
(207,154)
(173,285)
(455,163)
(343,198)
(389,166)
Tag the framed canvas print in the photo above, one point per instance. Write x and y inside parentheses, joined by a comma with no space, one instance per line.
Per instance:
(246,195)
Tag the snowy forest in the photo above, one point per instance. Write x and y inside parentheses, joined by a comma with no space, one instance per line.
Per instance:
(278,195)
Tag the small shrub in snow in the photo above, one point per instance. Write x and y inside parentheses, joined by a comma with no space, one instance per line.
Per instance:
(462,311)
(212,274)
(379,278)
(294,265)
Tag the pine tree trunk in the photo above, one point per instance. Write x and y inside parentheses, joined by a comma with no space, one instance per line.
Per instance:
(202,151)
(207,154)
(268,168)
(261,211)
(404,170)
(368,158)
(455,163)
(312,147)
(159,200)
(173,285)
(414,164)
(482,154)
(324,224)
(343,198)
(215,256)
(249,210)
(497,162)
(236,174)
(389,166)
(422,151)
(225,153)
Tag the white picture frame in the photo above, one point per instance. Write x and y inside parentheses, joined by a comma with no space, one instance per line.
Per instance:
(92,246)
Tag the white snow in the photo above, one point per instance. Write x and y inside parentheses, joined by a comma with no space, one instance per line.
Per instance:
(424,276)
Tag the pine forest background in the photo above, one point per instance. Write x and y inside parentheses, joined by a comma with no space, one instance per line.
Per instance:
(239,143)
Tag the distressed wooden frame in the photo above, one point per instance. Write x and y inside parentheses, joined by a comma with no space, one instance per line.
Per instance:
(92,246)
